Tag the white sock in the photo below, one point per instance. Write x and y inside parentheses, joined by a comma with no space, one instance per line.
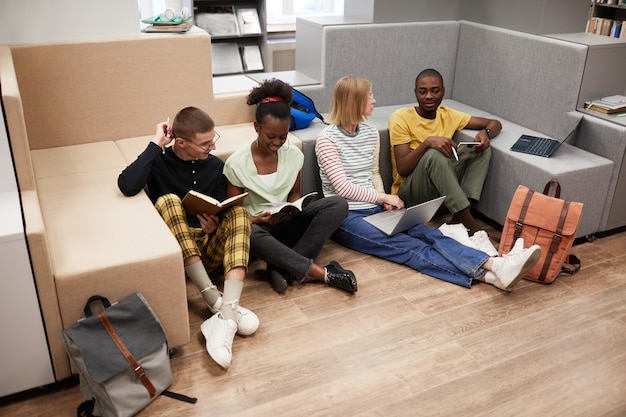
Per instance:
(489,277)
(198,275)
(326,280)
(230,299)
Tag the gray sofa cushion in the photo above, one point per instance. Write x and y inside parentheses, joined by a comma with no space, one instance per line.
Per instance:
(517,76)
(364,51)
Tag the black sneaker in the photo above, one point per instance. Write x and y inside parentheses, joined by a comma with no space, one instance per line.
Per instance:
(340,278)
(277,280)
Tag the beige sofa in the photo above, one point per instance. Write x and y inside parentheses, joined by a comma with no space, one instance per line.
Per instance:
(77,114)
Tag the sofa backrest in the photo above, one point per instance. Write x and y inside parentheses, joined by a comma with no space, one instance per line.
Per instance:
(15,124)
(75,93)
(527,79)
(390,55)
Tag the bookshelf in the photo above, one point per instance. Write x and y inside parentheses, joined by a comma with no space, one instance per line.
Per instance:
(607,18)
(238,34)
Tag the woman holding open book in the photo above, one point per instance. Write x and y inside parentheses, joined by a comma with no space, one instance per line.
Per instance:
(269,171)
(347,153)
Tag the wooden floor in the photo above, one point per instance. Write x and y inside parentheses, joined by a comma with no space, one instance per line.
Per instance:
(407,345)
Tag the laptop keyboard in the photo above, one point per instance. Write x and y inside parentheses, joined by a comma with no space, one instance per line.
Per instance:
(387,224)
(541,146)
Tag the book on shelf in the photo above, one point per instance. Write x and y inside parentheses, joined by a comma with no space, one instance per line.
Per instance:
(251,55)
(606,27)
(226,58)
(292,207)
(599,109)
(195,202)
(180,28)
(248,21)
(608,105)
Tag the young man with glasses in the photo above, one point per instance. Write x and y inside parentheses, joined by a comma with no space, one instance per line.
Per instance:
(208,242)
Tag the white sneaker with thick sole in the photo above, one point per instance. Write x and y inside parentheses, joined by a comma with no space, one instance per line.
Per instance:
(219,334)
(512,267)
(457,232)
(518,247)
(483,243)
(247,321)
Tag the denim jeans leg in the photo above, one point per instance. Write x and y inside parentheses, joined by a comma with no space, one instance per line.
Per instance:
(466,259)
(429,256)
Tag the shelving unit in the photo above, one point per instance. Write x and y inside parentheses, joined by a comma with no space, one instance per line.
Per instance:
(604,69)
(238,33)
(608,18)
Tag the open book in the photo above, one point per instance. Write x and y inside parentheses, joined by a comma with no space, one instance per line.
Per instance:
(195,203)
(293,206)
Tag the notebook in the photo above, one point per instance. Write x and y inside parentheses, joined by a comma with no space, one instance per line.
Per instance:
(391,222)
(539,146)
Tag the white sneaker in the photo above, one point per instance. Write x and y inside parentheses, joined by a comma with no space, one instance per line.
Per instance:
(247,321)
(457,232)
(518,247)
(512,267)
(219,335)
(483,243)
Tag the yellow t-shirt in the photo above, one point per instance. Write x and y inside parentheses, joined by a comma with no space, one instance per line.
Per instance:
(406,126)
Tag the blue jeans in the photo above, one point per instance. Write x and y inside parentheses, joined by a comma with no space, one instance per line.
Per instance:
(422,248)
(293,243)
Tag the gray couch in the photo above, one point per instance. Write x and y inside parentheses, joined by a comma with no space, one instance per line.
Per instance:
(529,82)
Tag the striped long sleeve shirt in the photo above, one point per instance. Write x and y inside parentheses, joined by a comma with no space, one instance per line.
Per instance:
(349,165)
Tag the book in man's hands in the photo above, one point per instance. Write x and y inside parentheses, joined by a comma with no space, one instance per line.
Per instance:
(195,203)
(293,206)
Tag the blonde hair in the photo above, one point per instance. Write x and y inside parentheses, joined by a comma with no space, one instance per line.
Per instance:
(350,96)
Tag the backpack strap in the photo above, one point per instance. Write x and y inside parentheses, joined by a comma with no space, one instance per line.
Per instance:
(522,215)
(85,409)
(179,397)
(556,241)
(571,265)
(139,371)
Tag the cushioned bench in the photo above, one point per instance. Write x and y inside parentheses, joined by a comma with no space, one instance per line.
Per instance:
(528,82)
(68,125)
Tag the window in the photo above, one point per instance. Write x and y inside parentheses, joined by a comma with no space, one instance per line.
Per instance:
(284,12)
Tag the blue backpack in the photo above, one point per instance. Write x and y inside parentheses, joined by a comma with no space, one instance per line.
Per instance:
(302,111)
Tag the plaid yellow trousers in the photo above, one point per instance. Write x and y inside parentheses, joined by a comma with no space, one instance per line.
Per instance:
(228,246)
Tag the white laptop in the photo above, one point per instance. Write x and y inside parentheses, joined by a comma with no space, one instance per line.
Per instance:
(391,222)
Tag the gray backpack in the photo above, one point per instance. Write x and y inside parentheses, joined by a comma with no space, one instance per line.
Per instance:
(122,357)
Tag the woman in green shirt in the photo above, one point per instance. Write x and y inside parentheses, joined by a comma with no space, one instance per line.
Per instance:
(269,170)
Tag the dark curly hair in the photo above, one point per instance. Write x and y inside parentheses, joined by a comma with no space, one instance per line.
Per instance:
(272,98)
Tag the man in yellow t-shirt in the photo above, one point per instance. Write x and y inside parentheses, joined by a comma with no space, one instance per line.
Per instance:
(424,156)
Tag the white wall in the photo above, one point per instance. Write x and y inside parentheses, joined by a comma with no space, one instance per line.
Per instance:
(45,21)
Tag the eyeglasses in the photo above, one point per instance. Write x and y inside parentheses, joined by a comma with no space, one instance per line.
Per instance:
(205,148)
